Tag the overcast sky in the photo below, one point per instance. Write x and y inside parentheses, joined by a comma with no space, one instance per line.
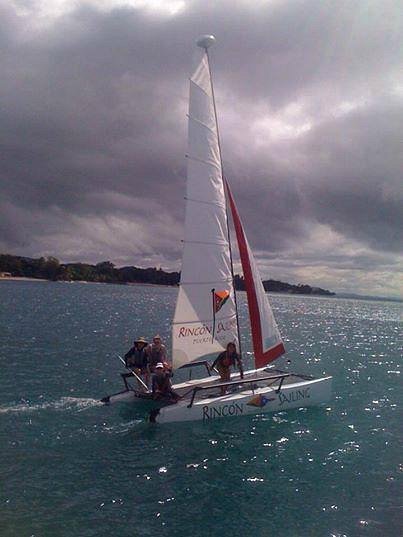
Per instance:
(93,101)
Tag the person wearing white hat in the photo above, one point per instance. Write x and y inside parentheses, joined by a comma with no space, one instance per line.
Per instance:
(161,385)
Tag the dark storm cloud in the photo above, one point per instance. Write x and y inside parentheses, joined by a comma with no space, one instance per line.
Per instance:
(357,187)
(93,130)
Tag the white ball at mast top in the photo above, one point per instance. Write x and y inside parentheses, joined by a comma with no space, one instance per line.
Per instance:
(205,41)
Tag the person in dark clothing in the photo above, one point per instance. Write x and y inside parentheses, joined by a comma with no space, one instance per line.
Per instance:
(136,359)
(223,364)
(161,385)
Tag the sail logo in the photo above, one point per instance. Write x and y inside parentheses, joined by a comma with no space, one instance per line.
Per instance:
(225,326)
(233,409)
(197,331)
(294,396)
(260,401)
(204,330)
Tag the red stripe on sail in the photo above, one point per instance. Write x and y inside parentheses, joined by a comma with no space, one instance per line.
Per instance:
(261,358)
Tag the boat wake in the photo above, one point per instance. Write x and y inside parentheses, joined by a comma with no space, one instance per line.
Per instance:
(77,404)
(124,427)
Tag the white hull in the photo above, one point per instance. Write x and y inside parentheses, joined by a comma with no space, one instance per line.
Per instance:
(296,395)
(137,397)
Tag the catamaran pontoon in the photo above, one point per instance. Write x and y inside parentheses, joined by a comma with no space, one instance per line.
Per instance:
(206,315)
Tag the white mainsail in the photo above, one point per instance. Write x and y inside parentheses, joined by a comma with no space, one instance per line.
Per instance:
(205,317)
(266,338)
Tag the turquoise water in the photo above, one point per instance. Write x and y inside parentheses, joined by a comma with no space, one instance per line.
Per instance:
(70,467)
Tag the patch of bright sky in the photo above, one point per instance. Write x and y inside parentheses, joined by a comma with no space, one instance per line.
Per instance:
(346,107)
(397,90)
(46,11)
(290,122)
(327,242)
(295,119)
(329,260)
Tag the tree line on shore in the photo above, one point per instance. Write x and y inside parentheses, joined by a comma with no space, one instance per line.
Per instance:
(50,268)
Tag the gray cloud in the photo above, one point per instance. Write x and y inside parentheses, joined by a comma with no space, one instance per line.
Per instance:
(357,187)
(93,130)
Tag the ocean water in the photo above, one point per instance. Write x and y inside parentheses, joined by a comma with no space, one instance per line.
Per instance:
(72,467)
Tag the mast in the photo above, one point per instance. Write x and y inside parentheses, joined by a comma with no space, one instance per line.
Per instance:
(205,42)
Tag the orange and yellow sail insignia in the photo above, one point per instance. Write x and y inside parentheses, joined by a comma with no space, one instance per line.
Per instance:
(220,298)
(259,400)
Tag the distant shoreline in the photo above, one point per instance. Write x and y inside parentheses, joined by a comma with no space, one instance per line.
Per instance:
(50,268)
(22,279)
(341,296)
(26,279)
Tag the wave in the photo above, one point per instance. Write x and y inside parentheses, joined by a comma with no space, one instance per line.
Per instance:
(77,404)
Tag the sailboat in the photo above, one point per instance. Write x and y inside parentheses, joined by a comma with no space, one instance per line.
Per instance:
(206,316)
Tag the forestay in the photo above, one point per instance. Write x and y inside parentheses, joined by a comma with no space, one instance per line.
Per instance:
(267,342)
(205,316)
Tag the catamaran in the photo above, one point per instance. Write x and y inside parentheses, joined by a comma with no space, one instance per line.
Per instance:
(206,314)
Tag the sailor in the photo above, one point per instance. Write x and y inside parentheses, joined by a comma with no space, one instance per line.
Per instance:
(136,359)
(161,385)
(157,353)
(223,364)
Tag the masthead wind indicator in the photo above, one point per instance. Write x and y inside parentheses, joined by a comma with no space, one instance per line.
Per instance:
(205,41)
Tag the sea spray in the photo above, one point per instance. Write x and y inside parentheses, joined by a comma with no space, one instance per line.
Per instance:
(77,404)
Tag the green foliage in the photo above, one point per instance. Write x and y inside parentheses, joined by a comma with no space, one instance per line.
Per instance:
(45,267)
(51,269)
